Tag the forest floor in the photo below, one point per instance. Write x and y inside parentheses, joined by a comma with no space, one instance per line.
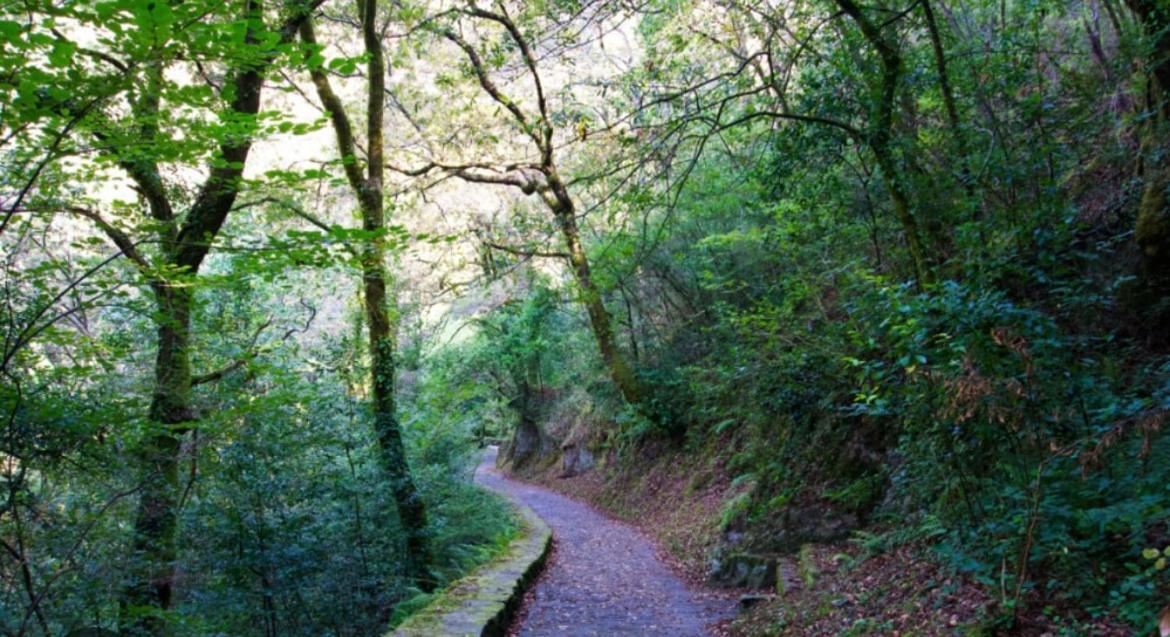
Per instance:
(604,577)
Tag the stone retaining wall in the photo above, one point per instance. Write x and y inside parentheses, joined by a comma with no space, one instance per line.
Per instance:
(482,603)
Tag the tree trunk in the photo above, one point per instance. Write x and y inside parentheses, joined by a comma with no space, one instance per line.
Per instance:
(599,320)
(150,588)
(948,95)
(380,306)
(382,316)
(962,149)
(1152,230)
(411,509)
(881,133)
(902,211)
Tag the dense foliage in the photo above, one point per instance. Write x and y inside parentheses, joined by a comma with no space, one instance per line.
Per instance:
(902,267)
(187,444)
(1008,393)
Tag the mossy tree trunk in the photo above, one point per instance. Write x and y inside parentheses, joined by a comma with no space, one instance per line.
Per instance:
(183,240)
(151,586)
(565,212)
(411,509)
(881,140)
(1152,229)
(377,289)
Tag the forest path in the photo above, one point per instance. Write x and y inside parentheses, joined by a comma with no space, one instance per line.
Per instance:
(603,577)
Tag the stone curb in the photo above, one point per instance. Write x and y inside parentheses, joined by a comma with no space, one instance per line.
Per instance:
(482,603)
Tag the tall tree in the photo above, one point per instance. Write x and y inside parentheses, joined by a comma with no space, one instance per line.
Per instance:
(139,141)
(377,287)
(881,132)
(541,177)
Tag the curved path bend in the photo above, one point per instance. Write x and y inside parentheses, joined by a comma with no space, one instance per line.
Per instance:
(604,578)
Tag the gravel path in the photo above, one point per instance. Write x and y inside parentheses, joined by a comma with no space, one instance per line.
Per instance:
(604,578)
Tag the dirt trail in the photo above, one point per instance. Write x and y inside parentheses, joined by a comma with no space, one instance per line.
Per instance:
(604,577)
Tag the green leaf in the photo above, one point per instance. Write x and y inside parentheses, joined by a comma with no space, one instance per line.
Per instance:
(62,53)
(9,30)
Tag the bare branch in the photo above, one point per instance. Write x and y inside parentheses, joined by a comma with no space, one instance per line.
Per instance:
(485,82)
(526,253)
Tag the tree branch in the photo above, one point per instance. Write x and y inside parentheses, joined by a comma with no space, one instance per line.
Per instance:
(316,221)
(236,364)
(342,128)
(119,238)
(219,190)
(485,81)
(530,62)
(525,253)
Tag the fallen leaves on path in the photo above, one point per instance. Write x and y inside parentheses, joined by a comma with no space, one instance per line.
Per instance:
(605,578)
